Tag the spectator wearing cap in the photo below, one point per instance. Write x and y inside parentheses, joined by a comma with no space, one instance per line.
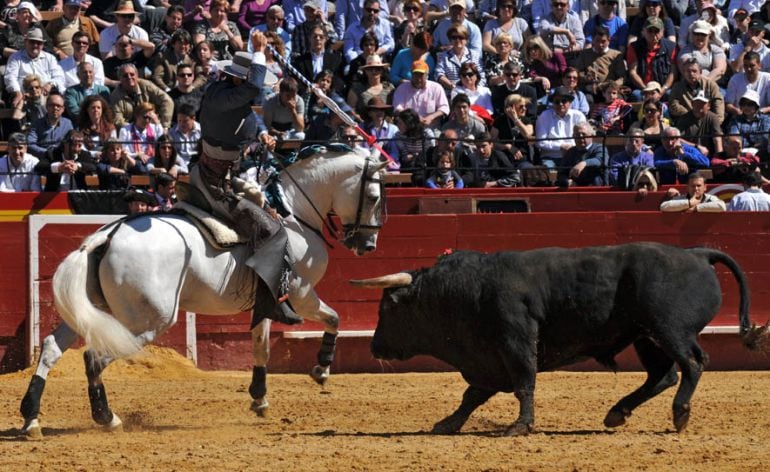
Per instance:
(585,9)
(426,97)
(553,129)
(295,13)
(124,25)
(752,198)
(712,58)
(17,169)
(468,127)
(457,14)
(374,86)
(32,60)
(752,78)
(451,61)
(50,130)
(318,58)
(132,91)
(15,32)
(634,154)
(585,164)
(139,201)
(562,28)
(649,8)
(750,6)
(652,93)
(67,164)
(651,57)
(370,22)
(377,125)
(676,160)
(304,37)
(62,29)
(350,12)
(701,127)
(694,84)
(707,12)
(81,44)
(740,25)
(749,125)
(607,18)
(419,50)
(599,63)
(753,41)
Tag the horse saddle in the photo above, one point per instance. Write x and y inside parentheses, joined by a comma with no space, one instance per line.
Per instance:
(218,233)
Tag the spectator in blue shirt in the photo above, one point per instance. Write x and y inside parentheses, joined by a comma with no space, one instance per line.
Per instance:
(607,18)
(676,160)
(48,131)
(636,153)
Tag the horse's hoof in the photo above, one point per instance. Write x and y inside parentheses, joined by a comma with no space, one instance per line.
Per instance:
(520,429)
(320,374)
(114,426)
(32,430)
(681,418)
(260,407)
(615,418)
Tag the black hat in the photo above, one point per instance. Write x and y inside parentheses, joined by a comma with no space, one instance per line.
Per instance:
(138,195)
(563,92)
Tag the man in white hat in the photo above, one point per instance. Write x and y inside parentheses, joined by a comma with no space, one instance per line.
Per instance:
(225,109)
(124,24)
(32,60)
(692,84)
(752,78)
(750,126)
(701,127)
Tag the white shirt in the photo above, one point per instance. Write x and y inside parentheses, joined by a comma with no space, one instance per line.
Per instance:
(143,143)
(753,199)
(186,144)
(738,85)
(549,126)
(70,69)
(19,179)
(44,65)
(109,36)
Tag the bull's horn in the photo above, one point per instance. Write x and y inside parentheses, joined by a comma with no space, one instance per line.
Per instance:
(400,279)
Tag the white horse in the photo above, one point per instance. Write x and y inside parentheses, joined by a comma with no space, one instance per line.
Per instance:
(125,285)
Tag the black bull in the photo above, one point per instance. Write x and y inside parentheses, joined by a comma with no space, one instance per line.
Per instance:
(500,318)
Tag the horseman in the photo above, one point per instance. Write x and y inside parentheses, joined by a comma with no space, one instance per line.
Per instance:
(227,126)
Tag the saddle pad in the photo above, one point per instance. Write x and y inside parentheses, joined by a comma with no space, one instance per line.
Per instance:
(216,232)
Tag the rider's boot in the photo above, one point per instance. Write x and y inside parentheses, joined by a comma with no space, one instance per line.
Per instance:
(265,307)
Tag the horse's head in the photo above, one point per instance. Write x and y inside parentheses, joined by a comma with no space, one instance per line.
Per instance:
(360,204)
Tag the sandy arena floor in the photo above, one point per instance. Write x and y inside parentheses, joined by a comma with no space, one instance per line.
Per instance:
(179,418)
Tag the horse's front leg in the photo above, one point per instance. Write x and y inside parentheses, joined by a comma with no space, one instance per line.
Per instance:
(54,346)
(260,343)
(313,308)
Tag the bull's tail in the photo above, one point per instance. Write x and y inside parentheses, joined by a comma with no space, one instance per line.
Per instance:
(753,337)
(101,331)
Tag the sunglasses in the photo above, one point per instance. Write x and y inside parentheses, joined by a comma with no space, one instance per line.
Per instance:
(185,74)
(129,16)
(512,74)
(415,9)
(559,5)
(81,43)
(560,101)
(372,10)
(468,75)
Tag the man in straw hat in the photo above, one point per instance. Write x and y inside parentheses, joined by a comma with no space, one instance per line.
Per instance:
(32,60)
(225,109)
(124,25)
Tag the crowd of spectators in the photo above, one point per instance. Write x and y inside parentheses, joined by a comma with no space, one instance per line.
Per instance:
(460,93)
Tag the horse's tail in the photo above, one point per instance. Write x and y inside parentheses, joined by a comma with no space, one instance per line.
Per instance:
(101,331)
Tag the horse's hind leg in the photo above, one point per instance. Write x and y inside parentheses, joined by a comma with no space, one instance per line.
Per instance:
(97,395)
(54,346)
(260,342)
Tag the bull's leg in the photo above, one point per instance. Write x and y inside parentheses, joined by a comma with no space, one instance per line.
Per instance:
(691,365)
(260,343)
(661,374)
(97,395)
(473,398)
(54,346)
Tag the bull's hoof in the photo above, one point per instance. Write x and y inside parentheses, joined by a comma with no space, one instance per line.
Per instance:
(681,417)
(320,374)
(32,430)
(449,425)
(260,407)
(616,418)
(114,426)
(520,429)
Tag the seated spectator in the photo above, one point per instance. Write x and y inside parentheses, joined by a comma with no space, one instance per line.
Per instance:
(504,54)
(186,133)
(15,31)
(696,200)
(752,198)
(205,65)
(295,13)
(49,130)
(132,91)
(316,107)
(700,127)
(467,126)
(513,130)
(370,22)
(445,176)
(349,136)
(32,60)
(608,19)
(419,50)
(652,93)
(733,163)
(512,74)
(635,155)
(470,85)
(369,46)
(165,191)
(694,84)
(651,58)
(61,29)
(313,28)
(139,201)
(96,122)
(126,53)
(554,126)
(165,159)
(373,86)
(69,64)
(708,13)
(709,56)
(751,126)
(411,141)
(115,167)
(188,89)
(653,124)
(139,136)
(546,67)
(752,41)
(485,167)
(164,65)
(284,113)
(585,164)
(378,126)
(34,101)
(66,164)
(124,25)
(160,36)
(17,169)
(609,115)
(222,33)
(274,73)
(86,87)
(451,60)
(507,24)
(562,29)
(599,63)
(676,160)
(409,26)
(273,24)
(425,97)
(457,15)
(325,127)
(570,80)
(318,59)
(752,78)
(427,162)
